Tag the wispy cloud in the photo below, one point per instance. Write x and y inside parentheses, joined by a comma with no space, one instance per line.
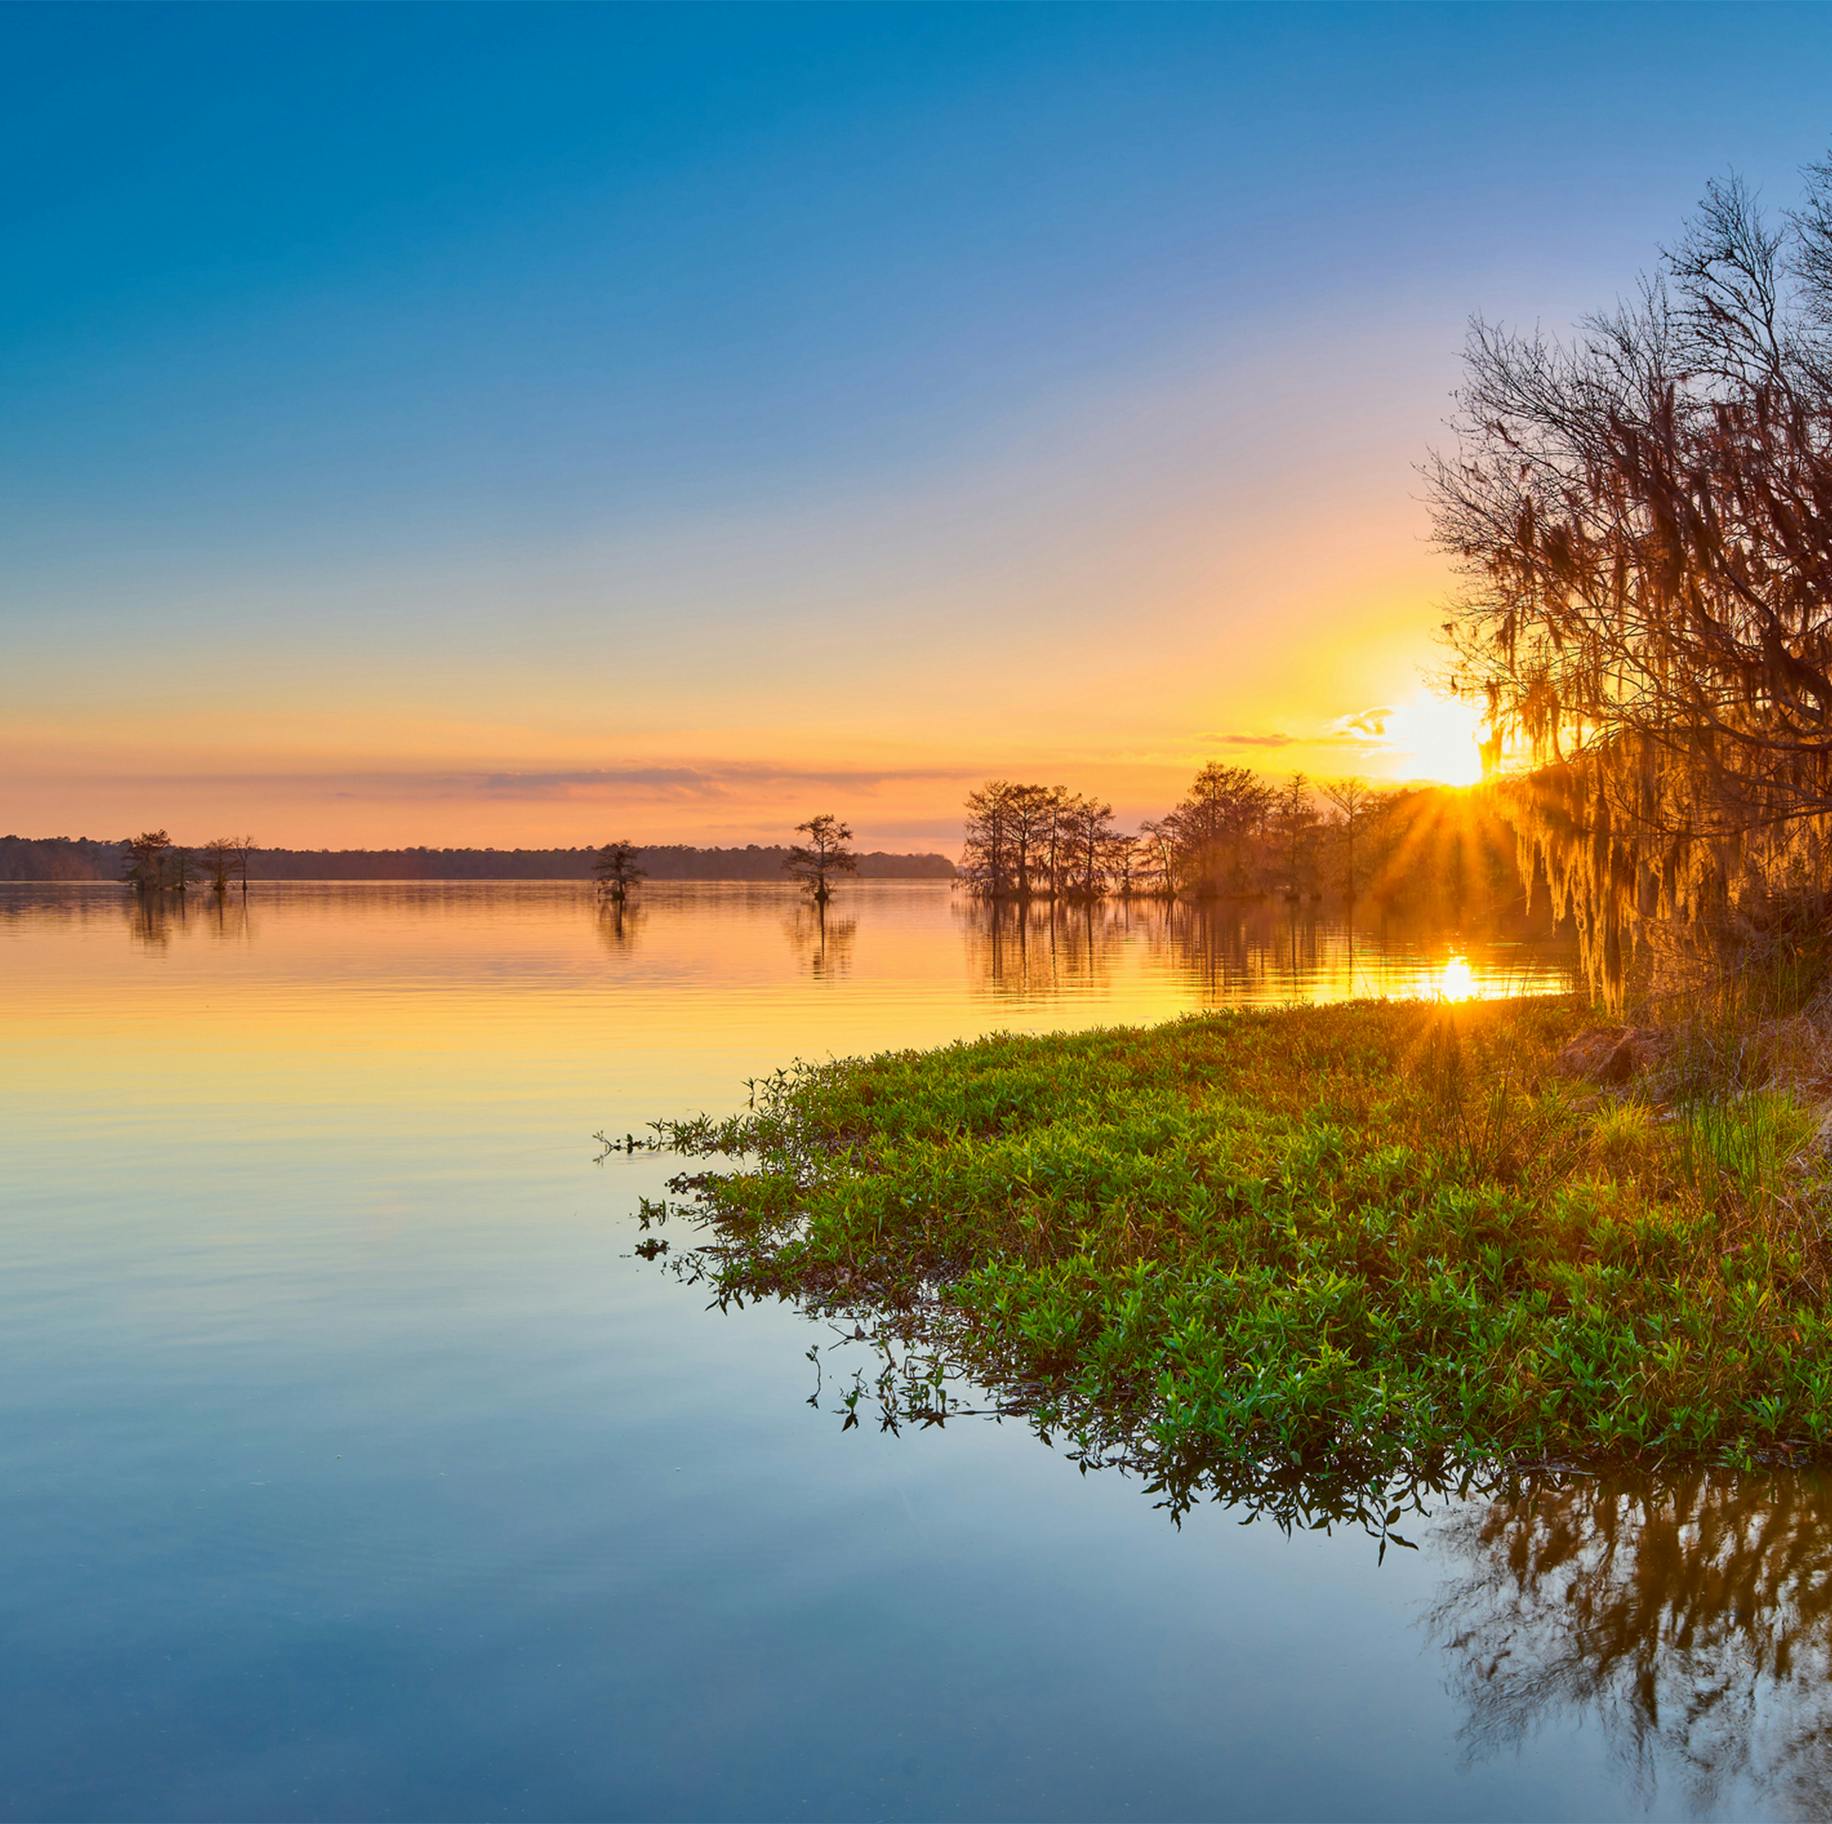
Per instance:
(1365,728)
(699,781)
(1368,726)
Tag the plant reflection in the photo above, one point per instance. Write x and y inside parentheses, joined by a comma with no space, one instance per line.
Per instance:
(1689,1616)
(899,1369)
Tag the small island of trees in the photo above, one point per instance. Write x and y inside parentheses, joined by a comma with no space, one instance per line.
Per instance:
(153,864)
(1238,835)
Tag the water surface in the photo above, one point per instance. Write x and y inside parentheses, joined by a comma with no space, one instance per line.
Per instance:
(351,1466)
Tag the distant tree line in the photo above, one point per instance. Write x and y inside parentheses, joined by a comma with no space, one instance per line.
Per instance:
(82,858)
(1236,834)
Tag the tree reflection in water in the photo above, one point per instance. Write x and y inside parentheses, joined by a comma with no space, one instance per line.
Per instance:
(154,919)
(822,938)
(1025,950)
(1224,952)
(1691,1616)
(619,924)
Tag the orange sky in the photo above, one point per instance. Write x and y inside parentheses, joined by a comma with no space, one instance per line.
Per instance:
(1104,596)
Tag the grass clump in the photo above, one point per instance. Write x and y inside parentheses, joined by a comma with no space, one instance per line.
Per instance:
(1372,1237)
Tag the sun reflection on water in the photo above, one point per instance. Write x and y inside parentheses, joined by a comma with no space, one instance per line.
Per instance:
(1456,981)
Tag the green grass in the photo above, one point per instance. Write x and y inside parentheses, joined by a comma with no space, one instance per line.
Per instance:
(1370,1240)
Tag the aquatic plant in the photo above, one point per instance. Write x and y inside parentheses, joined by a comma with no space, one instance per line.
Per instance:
(1356,1243)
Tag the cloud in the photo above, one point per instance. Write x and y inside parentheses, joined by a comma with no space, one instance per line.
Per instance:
(1365,728)
(708,781)
(711,780)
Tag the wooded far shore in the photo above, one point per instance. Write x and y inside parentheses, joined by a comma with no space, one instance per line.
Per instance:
(82,858)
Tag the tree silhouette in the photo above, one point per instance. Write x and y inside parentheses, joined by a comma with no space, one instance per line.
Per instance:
(1236,835)
(616,869)
(1216,823)
(1351,799)
(1644,520)
(145,866)
(823,855)
(219,862)
(1294,820)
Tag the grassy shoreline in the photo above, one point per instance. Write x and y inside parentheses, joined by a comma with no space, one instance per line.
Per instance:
(1368,1239)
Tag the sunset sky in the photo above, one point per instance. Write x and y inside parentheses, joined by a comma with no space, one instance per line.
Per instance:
(532,426)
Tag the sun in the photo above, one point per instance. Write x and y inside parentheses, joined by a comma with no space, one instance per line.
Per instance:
(1436,738)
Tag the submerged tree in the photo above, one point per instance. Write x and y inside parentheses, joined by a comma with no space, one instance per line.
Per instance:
(1124,855)
(987,857)
(145,866)
(1161,846)
(1644,520)
(823,855)
(616,869)
(1087,854)
(1236,835)
(220,854)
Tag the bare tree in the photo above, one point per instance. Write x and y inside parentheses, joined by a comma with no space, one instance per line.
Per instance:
(1161,839)
(824,854)
(1294,820)
(1121,862)
(1088,846)
(988,861)
(219,863)
(1031,812)
(1351,799)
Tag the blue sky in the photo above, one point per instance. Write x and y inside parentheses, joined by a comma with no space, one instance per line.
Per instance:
(396,398)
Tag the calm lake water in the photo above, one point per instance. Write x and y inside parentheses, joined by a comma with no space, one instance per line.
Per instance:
(351,1465)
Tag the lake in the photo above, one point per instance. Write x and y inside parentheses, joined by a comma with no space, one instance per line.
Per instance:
(352,1464)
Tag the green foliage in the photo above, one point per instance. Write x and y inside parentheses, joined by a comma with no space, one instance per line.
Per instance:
(1375,1236)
